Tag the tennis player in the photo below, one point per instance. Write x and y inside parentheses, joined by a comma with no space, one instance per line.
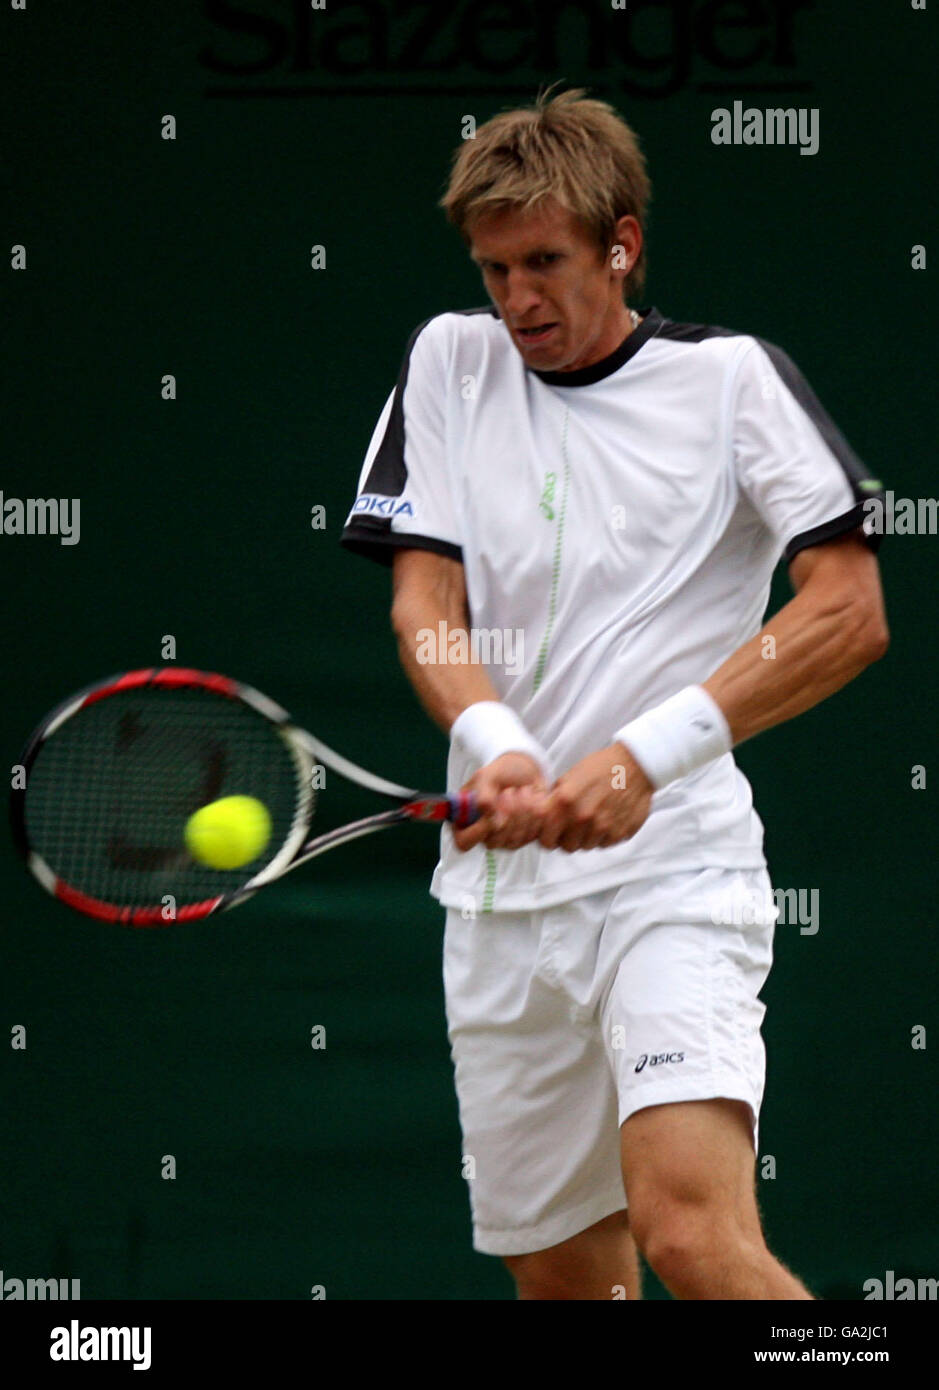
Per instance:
(608,491)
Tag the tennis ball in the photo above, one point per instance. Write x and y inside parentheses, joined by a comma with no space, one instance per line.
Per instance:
(228,833)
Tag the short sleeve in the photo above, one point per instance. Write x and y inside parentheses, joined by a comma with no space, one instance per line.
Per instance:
(792,461)
(404,498)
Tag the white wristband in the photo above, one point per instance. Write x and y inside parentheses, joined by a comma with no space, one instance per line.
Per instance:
(678,736)
(489,728)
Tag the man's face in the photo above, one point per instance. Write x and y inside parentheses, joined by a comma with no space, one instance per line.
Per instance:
(555,290)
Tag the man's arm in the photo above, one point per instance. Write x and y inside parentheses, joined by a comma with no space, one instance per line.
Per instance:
(429,589)
(826,635)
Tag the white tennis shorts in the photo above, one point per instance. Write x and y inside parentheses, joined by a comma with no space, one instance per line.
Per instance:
(565,1021)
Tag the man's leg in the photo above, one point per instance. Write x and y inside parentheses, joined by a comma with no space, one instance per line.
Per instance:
(600,1262)
(688,1170)
(538,1107)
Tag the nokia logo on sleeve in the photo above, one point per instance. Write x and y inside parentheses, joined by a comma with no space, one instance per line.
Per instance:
(376,504)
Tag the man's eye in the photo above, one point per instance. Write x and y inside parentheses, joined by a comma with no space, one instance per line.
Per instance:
(548,258)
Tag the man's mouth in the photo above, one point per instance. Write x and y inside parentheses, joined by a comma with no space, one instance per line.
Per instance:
(538,334)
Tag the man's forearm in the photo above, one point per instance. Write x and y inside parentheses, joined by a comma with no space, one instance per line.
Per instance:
(814,650)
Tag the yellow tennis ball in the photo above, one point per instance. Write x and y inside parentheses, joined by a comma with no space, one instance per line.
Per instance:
(228,833)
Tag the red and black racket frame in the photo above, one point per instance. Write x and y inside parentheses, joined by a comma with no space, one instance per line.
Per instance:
(458,808)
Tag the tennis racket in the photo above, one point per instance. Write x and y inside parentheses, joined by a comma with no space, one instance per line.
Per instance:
(113,774)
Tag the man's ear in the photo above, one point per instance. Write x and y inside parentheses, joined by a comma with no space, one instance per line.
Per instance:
(627,245)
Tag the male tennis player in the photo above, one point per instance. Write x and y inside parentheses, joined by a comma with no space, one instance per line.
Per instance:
(613,489)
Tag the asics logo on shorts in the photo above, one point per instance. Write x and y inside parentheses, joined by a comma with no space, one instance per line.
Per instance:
(657,1058)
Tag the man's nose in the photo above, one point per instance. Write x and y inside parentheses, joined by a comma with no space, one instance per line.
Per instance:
(521,296)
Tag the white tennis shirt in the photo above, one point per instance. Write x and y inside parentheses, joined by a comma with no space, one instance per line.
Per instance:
(618,527)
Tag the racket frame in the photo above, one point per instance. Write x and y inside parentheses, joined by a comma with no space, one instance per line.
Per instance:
(305,750)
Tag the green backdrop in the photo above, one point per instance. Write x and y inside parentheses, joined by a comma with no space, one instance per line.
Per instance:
(146,256)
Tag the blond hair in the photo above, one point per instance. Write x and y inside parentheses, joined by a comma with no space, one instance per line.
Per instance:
(567,147)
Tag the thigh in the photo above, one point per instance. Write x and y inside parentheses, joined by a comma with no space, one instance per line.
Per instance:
(537,1103)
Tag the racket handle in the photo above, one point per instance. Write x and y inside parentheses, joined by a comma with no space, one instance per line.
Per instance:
(462,809)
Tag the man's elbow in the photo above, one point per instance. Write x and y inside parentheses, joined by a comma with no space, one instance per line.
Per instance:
(859,619)
(871,637)
(878,643)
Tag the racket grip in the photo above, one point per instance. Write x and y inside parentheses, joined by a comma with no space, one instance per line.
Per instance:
(462,809)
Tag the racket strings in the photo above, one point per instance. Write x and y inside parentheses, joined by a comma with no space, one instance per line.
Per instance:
(109,794)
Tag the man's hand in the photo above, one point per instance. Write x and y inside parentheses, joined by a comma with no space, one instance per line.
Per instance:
(512,794)
(601,800)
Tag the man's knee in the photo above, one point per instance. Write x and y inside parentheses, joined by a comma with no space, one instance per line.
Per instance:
(689,1174)
(691,1225)
(679,1239)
